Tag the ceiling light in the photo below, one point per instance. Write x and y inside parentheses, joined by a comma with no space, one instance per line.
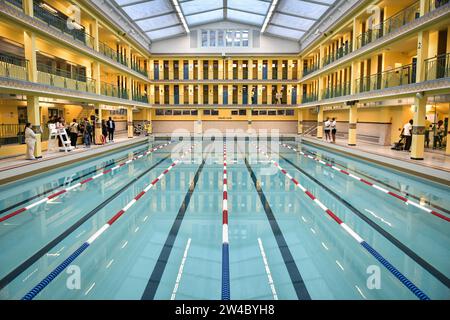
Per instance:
(269,15)
(180,15)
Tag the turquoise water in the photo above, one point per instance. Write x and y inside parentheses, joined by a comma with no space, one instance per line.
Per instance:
(133,257)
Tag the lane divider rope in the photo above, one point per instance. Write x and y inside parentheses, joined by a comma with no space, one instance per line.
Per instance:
(79,184)
(397,196)
(225,241)
(49,278)
(413,288)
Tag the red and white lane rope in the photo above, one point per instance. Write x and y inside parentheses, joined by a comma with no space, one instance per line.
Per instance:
(39,287)
(397,196)
(79,184)
(225,243)
(415,290)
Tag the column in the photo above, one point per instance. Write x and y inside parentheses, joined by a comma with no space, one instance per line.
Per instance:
(129,88)
(418,132)
(220,93)
(161,69)
(260,69)
(34,117)
(230,94)
(290,69)
(200,94)
(270,69)
(200,69)
(352,123)
(300,121)
(149,120)
(151,69)
(280,69)
(98,125)
(240,70)
(289,94)
(422,55)
(269,94)
(240,96)
(198,127)
(171,70)
(181,93)
(259,93)
(210,94)
(230,69)
(171,94)
(210,69)
(151,94)
(250,69)
(221,69)
(96,77)
(30,55)
(161,94)
(191,69)
(181,69)
(191,94)
(249,93)
(130,122)
(320,122)
(249,120)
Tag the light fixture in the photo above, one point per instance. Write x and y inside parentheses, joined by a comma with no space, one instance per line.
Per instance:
(48,8)
(269,15)
(180,15)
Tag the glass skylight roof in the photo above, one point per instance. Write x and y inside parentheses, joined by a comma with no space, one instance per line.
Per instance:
(159,18)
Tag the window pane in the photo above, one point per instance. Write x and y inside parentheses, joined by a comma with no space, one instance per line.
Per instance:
(204,38)
(220,38)
(212,38)
(237,39)
(229,38)
(245,38)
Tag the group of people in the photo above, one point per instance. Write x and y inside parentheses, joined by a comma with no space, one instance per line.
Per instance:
(74,130)
(438,130)
(330,130)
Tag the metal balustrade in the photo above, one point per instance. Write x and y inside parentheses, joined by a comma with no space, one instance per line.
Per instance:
(339,90)
(13,67)
(340,53)
(437,67)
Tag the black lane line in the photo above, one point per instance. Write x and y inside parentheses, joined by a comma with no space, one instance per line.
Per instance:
(330,160)
(27,263)
(62,184)
(155,278)
(420,261)
(294,273)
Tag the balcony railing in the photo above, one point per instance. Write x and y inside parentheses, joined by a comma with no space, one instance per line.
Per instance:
(63,79)
(63,25)
(393,78)
(436,4)
(136,67)
(395,22)
(310,97)
(341,52)
(13,67)
(437,67)
(111,90)
(310,69)
(112,54)
(17,3)
(339,90)
(140,98)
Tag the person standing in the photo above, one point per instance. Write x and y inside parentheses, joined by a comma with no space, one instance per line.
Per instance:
(111,125)
(427,132)
(279,97)
(327,130)
(406,133)
(104,131)
(439,134)
(73,130)
(87,133)
(30,140)
(333,129)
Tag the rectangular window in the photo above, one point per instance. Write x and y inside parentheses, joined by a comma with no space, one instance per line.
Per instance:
(204,38)
(177,112)
(159,112)
(194,112)
(212,38)
(207,112)
(229,38)
(262,112)
(290,112)
(242,112)
(272,112)
(167,112)
(220,42)
(215,112)
(237,39)
(234,112)
(254,112)
(281,112)
(186,112)
(245,38)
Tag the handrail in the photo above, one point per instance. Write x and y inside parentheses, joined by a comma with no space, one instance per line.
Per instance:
(437,67)
(391,78)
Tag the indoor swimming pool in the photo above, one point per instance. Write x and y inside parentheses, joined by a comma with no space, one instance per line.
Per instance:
(211,220)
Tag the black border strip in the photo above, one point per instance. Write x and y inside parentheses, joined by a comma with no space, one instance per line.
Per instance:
(294,273)
(157,273)
(27,263)
(406,250)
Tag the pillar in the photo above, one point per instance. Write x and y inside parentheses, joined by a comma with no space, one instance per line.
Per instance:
(151,69)
(249,120)
(290,69)
(151,94)
(171,94)
(220,93)
(161,94)
(130,122)
(240,70)
(191,69)
(259,93)
(34,117)
(280,69)
(289,94)
(200,94)
(240,95)
(422,55)
(269,94)
(260,69)
(250,69)
(149,121)
(210,69)
(171,70)
(96,76)
(230,69)
(210,94)
(249,93)
(320,122)
(98,125)
(270,69)
(418,132)
(221,69)
(300,121)
(191,94)
(30,55)
(181,93)
(198,127)
(352,123)
(230,94)
(200,70)
(181,69)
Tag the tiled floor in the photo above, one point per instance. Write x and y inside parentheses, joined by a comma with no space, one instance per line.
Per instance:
(20,161)
(434,159)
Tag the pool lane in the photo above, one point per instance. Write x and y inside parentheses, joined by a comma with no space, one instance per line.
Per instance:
(118,265)
(414,228)
(55,223)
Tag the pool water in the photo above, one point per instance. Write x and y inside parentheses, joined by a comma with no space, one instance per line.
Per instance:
(169,243)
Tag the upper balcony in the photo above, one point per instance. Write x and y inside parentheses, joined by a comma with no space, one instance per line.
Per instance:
(48,20)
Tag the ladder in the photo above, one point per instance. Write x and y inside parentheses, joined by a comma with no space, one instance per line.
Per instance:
(61,134)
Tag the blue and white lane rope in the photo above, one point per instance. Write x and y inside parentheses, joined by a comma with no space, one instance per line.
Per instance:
(46,281)
(225,244)
(413,288)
